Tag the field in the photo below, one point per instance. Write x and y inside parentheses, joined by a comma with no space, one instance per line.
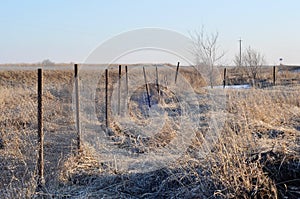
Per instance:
(255,151)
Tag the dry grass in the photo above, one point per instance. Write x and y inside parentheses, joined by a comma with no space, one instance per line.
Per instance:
(285,75)
(18,170)
(256,154)
(261,131)
(18,124)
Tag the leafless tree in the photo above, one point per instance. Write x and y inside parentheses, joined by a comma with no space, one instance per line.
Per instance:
(207,51)
(252,62)
(47,62)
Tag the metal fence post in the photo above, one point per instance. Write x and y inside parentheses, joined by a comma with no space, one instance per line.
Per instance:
(177,69)
(126,71)
(106,98)
(119,89)
(41,180)
(77,106)
(147,91)
(224,78)
(157,81)
(274,75)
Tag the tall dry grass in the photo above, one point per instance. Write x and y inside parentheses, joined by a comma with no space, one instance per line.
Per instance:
(258,142)
(262,129)
(255,155)
(18,126)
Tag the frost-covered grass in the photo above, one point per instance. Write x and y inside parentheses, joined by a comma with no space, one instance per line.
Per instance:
(255,155)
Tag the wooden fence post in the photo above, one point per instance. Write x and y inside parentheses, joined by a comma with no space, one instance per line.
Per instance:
(77,106)
(177,69)
(148,96)
(41,180)
(224,78)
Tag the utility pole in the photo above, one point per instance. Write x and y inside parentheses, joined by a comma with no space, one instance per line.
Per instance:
(240,63)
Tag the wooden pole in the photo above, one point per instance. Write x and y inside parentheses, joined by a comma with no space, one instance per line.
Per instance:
(224,78)
(274,75)
(147,91)
(41,180)
(119,89)
(77,106)
(177,69)
(106,98)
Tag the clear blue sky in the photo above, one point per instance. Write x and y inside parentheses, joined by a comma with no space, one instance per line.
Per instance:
(68,30)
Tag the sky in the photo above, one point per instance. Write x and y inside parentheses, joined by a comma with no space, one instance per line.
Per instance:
(69,30)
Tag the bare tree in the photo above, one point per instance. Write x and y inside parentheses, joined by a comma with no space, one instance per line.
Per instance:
(252,62)
(207,51)
(47,62)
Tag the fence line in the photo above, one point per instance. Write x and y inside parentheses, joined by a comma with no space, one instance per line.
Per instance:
(41,179)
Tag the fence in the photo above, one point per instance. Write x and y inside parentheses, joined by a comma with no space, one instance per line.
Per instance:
(55,89)
(55,86)
(107,108)
(264,77)
(25,93)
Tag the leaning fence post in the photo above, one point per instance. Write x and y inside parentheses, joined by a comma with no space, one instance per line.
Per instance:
(224,78)
(41,180)
(157,84)
(177,69)
(148,96)
(77,106)
(274,75)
